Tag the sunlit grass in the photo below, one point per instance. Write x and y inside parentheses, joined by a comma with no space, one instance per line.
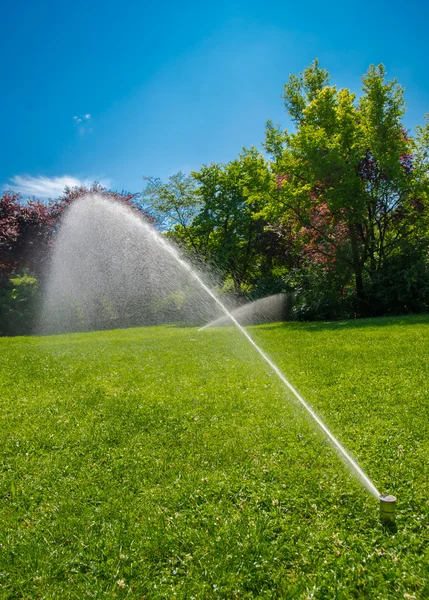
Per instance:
(163,462)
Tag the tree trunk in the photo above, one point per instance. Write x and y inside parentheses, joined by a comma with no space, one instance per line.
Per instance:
(360,294)
(357,267)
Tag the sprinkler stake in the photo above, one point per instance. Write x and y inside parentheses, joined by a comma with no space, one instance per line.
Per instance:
(387,509)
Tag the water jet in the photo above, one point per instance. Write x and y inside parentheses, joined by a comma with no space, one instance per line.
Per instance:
(83,270)
(264,310)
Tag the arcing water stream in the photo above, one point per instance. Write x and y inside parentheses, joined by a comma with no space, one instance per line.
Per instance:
(103,249)
(265,310)
(343,452)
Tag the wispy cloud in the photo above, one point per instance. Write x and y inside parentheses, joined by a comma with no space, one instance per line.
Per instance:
(47,187)
(83,123)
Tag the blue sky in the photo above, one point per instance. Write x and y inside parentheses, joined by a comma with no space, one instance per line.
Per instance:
(116,90)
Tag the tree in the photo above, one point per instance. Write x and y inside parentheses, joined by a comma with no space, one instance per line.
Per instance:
(213,215)
(349,183)
(173,204)
(27,235)
(57,207)
(24,229)
(28,228)
(9,230)
(227,231)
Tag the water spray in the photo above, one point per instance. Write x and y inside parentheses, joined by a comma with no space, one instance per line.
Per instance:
(73,237)
(352,463)
(387,502)
(269,309)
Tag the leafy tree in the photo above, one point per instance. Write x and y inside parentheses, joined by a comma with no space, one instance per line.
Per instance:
(9,230)
(171,203)
(70,195)
(350,184)
(226,230)
(173,206)
(28,228)
(24,229)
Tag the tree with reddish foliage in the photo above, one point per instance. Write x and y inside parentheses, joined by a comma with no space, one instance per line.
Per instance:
(57,207)
(323,236)
(24,227)
(9,230)
(27,236)
(28,229)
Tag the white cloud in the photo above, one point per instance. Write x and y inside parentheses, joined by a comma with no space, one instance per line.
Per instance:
(47,187)
(80,118)
(81,122)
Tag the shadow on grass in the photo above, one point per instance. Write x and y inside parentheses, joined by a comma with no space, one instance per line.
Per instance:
(317,326)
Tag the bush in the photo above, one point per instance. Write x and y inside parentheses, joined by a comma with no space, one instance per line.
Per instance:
(402,286)
(18,303)
(322,294)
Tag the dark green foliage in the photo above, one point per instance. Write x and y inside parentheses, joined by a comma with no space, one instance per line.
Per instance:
(18,304)
(402,285)
(322,294)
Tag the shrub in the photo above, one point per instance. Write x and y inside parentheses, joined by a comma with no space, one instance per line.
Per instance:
(402,286)
(18,304)
(322,294)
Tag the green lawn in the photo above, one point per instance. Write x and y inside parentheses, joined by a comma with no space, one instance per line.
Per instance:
(167,463)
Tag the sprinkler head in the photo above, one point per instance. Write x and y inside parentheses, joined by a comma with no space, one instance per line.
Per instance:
(387,509)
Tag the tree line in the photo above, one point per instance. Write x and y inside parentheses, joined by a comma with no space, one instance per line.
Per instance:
(28,231)
(335,210)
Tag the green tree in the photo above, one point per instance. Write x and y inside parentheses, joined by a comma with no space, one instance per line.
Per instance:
(349,183)
(173,204)
(230,234)
(213,214)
